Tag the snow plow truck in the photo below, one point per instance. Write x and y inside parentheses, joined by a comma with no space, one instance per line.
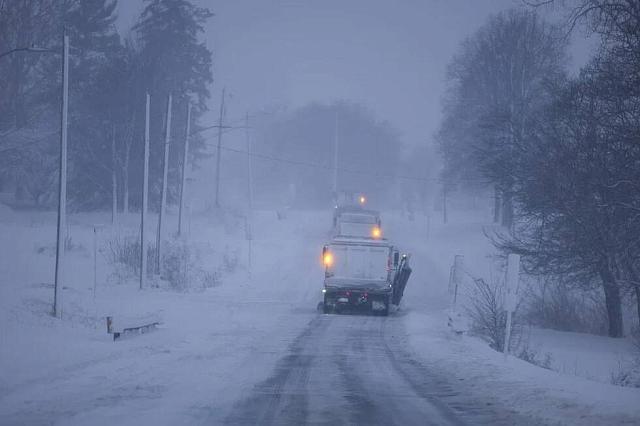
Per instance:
(367,274)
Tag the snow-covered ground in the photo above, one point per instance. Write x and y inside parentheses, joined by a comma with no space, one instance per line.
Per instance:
(597,358)
(214,344)
(576,390)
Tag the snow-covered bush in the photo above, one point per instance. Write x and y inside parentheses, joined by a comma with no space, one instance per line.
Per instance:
(627,374)
(181,267)
(124,254)
(488,317)
(556,305)
(211,279)
(532,356)
(230,260)
(177,264)
(628,371)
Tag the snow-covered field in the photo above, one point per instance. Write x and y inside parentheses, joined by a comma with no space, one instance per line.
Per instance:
(214,344)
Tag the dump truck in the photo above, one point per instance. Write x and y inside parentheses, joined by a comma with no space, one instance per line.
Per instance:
(347,202)
(359,223)
(365,274)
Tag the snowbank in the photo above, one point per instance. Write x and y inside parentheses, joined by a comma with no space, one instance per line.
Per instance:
(543,395)
(212,344)
(529,390)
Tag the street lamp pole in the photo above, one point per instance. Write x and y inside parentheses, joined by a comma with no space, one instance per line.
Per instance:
(62,189)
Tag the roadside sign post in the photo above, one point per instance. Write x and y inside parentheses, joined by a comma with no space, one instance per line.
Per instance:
(96,229)
(458,265)
(510,297)
(456,320)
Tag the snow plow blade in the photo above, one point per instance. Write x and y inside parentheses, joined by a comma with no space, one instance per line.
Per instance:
(400,281)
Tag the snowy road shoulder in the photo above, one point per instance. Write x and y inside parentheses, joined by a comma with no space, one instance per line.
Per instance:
(212,344)
(529,390)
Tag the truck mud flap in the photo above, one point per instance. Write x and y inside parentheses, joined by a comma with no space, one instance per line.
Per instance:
(399,284)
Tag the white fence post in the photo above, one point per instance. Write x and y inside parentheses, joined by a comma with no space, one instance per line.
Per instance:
(456,321)
(458,266)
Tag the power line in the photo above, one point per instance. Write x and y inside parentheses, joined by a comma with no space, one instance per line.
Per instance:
(321,166)
(230,128)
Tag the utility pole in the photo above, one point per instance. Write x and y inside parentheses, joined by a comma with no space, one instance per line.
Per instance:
(335,159)
(62,190)
(185,157)
(249,168)
(114,179)
(163,199)
(217,200)
(445,217)
(145,198)
(249,193)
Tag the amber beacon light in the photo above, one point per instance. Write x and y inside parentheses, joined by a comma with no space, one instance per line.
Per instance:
(327,258)
(376,232)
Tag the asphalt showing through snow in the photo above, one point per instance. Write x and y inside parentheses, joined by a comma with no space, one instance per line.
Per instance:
(348,369)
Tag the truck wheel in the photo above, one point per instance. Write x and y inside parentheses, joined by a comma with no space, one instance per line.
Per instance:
(385,311)
(326,308)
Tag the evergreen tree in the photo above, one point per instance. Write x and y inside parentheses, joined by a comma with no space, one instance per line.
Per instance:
(95,47)
(173,60)
(30,97)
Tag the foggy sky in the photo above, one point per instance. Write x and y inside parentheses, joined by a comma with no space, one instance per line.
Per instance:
(389,55)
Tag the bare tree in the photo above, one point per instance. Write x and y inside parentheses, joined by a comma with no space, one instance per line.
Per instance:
(496,82)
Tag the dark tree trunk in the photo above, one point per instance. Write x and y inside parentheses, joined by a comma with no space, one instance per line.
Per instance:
(613,302)
(635,283)
(637,289)
(445,217)
(497,205)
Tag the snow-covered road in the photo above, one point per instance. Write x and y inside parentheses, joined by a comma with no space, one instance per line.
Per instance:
(256,351)
(347,369)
